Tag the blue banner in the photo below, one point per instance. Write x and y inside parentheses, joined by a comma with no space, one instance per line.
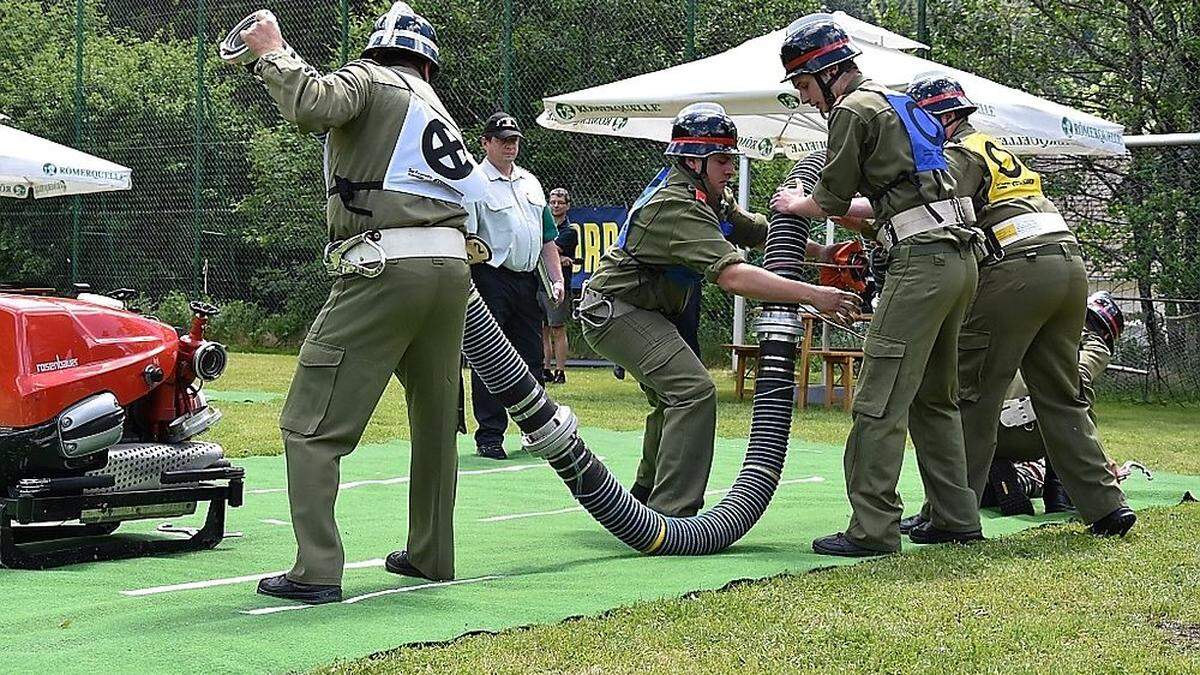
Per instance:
(597,228)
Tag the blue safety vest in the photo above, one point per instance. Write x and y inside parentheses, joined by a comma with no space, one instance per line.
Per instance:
(677,274)
(926,136)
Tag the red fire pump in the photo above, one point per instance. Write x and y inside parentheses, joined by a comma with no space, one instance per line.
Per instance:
(99,409)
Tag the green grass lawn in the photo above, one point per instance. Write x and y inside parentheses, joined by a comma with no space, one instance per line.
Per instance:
(1045,599)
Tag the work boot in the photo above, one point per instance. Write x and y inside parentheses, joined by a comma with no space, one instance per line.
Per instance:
(1115,524)
(491,451)
(1054,494)
(1007,491)
(913,521)
(397,562)
(840,545)
(926,533)
(280,586)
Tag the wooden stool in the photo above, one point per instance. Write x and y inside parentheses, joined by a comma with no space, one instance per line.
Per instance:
(831,358)
(744,354)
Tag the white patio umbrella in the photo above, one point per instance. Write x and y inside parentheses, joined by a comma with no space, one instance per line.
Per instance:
(771,120)
(33,166)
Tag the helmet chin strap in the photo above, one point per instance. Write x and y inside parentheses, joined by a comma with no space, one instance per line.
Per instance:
(697,175)
(826,85)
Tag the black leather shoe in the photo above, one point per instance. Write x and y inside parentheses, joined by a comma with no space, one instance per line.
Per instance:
(839,545)
(310,594)
(560,377)
(915,520)
(926,533)
(547,376)
(1010,497)
(1054,495)
(397,563)
(1115,524)
(491,451)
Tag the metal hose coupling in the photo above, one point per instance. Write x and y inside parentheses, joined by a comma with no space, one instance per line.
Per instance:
(233,49)
(553,438)
(778,324)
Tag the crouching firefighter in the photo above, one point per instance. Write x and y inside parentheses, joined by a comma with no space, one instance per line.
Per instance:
(684,225)
(883,146)
(398,300)
(1027,314)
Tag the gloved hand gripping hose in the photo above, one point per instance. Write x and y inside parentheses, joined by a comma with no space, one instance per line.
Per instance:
(550,430)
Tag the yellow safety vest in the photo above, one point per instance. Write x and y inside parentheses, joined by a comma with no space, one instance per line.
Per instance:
(1011,179)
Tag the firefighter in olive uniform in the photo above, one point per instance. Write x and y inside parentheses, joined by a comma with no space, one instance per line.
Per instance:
(883,146)
(683,226)
(398,302)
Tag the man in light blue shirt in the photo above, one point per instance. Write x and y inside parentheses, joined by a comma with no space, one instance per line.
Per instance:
(516,226)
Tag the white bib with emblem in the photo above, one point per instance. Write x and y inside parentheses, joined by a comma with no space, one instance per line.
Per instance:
(431,160)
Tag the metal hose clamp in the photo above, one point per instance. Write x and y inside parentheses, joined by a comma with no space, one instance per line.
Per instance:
(554,437)
(784,326)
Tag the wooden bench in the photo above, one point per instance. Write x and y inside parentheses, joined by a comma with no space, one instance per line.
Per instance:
(833,359)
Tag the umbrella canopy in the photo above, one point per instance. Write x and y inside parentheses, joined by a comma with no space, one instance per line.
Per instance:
(31,166)
(771,120)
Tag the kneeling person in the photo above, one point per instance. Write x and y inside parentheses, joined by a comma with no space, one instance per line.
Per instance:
(674,234)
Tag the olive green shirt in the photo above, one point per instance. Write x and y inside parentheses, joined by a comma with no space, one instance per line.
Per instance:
(868,148)
(363,106)
(672,240)
(973,179)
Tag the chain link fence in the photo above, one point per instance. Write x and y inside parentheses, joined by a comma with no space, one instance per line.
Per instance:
(228,200)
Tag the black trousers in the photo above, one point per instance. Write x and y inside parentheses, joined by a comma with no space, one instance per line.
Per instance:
(512,299)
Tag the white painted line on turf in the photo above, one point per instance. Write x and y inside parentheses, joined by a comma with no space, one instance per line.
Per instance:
(572,509)
(398,480)
(274,521)
(532,514)
(193,585)
(367,596)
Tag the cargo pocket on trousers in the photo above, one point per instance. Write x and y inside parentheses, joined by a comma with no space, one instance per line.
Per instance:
(881,366)
(972,354)
(312,388)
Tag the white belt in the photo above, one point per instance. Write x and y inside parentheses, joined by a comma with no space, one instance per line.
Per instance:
(1017,412)
(924,218)
(367,253)
(1027,226)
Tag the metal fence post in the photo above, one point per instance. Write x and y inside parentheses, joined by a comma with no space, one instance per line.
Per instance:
(507,57)
(690,47)
(345,16)
(77,201)
(197,145)
(922,28)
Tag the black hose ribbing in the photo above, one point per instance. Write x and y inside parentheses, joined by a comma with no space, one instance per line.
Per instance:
(550,430)
(789,234)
